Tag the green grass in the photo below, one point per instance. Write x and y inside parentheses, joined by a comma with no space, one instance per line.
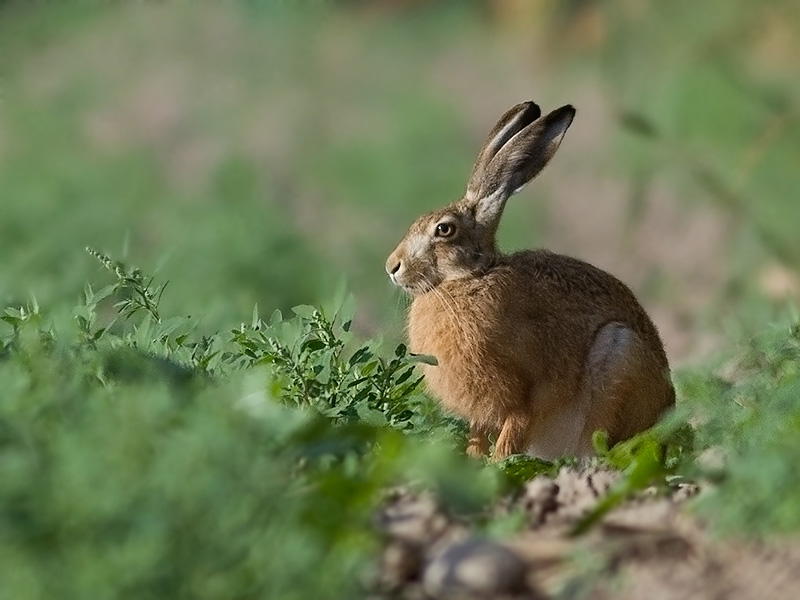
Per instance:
(139,458)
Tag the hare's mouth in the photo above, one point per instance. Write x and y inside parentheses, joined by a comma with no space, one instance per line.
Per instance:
(415,288)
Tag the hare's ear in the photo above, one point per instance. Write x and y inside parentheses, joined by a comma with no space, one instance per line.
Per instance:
(511,123)
(518,148)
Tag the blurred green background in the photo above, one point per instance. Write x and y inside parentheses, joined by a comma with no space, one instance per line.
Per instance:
(260,152)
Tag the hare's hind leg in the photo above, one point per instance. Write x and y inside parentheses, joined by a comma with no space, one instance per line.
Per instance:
(625,385)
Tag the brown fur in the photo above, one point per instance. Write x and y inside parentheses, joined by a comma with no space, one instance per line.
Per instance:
(538,348)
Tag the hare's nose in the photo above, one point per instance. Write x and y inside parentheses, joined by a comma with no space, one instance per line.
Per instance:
(393,266)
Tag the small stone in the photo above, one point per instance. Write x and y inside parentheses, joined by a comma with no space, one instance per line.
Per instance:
(414,520)
(540,499)
(474,567)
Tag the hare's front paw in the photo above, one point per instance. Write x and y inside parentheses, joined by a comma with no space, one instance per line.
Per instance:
(478,442)
(512,438)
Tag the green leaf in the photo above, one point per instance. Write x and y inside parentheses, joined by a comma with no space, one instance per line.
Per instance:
(276,318)
(370,416)
(313,345)
(305,311)
(361,355)
(424,359)
(520,468)
(403,376)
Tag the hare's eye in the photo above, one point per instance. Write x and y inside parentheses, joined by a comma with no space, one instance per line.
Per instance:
(445,230)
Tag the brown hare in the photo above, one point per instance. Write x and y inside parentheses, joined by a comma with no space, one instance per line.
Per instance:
(536,348)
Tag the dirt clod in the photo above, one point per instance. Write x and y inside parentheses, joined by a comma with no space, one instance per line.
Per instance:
(474,568)
(415,520)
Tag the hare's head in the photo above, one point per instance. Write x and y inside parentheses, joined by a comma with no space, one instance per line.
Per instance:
(459,241)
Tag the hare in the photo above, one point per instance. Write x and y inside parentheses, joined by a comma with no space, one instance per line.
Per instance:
(535,348)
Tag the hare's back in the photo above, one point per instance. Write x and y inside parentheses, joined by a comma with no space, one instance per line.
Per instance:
(574,289)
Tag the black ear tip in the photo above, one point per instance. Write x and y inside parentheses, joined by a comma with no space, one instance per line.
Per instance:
(563,114)
(532,111)
(567,109)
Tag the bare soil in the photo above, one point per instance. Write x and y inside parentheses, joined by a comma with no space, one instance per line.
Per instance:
(650,547)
